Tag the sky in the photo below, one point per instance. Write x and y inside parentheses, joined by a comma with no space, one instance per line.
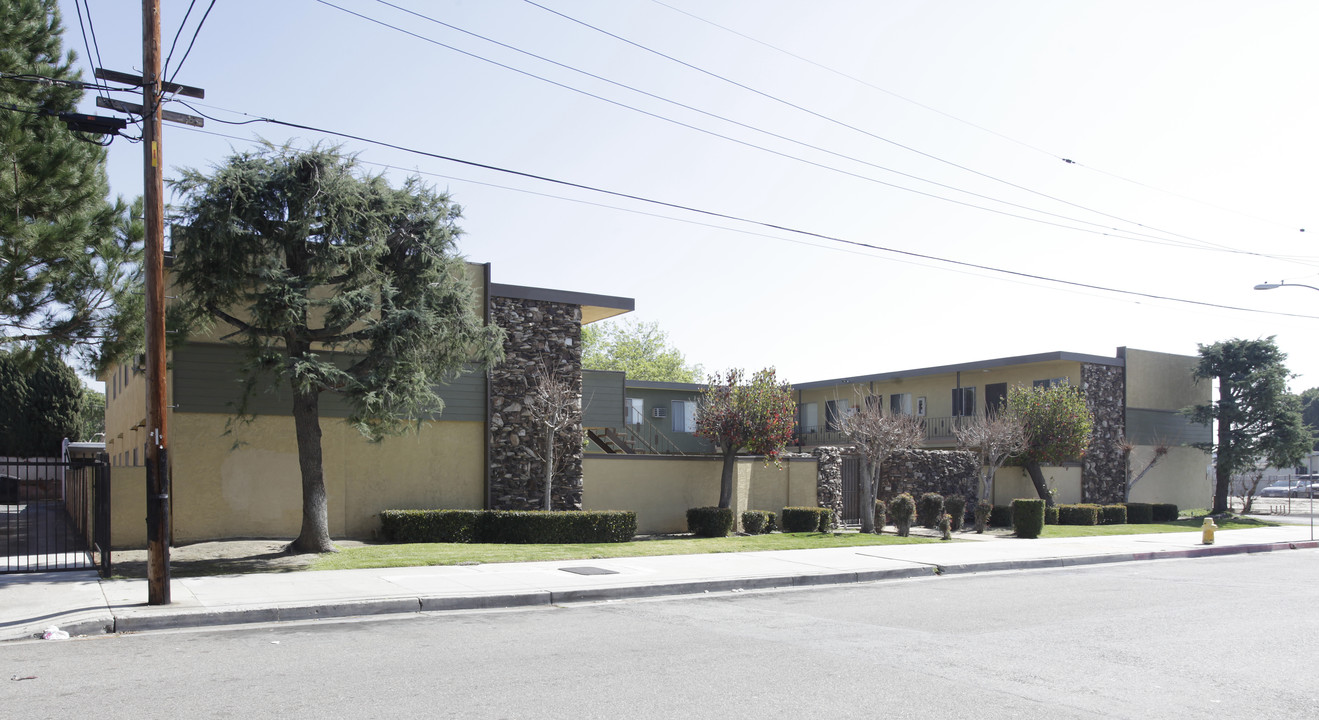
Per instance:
(841,187)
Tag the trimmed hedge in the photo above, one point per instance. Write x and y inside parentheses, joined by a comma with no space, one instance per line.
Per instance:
(1113,515)
(982,512)
(1140,513)
(710,521)
(929,509)
(507,526)
(1051,515)
(1078,514)
(1000,516)
(1028,517)
(807,519)
(758,522)
(881,516)
(903,511)
(1165,512)
(955,506)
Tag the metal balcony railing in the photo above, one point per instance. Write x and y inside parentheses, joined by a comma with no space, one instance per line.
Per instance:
(938,431)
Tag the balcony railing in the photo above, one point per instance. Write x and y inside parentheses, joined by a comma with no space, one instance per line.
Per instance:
(938,431)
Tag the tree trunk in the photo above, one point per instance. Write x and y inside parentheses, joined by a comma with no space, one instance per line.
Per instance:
(549,470)
(1222,471)
(726,479)
(315,534)
(868,482)
(1041,487)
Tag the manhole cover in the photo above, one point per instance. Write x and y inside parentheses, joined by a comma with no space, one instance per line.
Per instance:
(589,571)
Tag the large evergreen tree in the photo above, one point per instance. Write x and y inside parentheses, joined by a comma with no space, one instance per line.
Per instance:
(1256,417)
(67,260)
(44,403)
(333,281)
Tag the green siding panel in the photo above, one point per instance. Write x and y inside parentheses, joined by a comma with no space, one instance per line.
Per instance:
(602,398)
(210,379)
(1146,427)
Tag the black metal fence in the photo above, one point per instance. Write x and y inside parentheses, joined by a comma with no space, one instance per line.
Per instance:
(55,515)
(851,514)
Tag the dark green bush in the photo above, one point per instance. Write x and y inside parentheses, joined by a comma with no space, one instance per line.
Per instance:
(1164,512)
(433,526)
(1140,513)
(755,522)
(902,511)
(1051,515)
(710,521)
(1078,514)
(929,509)
(1028,517)
(1000,516)
(945,526)
(1113,515)
(955,506)
(881,516)
(807,519)
(982,513)
(498,526)
(571,526)
(771,521)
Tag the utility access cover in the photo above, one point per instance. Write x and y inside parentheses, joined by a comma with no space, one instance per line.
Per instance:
(589,571)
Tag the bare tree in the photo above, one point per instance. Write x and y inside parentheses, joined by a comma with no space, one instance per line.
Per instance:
(556,406)
(877,437)
(997,438)
(1250,482)
(1160,451)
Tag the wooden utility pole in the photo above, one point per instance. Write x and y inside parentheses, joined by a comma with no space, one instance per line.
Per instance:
(158,481)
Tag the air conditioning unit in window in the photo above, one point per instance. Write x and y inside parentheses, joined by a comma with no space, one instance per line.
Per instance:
(659,412)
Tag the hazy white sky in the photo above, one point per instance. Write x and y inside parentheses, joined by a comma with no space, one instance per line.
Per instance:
(936,128)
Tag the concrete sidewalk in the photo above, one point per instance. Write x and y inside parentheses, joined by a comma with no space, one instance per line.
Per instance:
(80,603)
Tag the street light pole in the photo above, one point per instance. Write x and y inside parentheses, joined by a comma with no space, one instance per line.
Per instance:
(1270,286)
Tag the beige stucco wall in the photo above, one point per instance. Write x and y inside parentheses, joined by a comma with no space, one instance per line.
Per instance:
(1011,483)
(1161,381)
(128,507)
(126,412)
(254,489)
(1182,477)
(661,489)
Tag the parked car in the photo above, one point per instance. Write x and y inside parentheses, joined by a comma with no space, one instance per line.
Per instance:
(1305,490)
(1279,489)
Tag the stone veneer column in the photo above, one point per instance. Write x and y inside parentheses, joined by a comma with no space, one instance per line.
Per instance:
(540,334)
(1103,468)
(829,483)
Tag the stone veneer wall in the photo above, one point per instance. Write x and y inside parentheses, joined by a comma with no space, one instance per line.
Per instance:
(1103,468)
(947,472)
(829,479)
(540,335)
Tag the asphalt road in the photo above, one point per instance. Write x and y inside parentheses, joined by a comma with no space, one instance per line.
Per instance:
(1206,638)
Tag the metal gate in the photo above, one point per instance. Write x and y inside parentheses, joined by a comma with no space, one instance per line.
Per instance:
(851,514)
(55,515)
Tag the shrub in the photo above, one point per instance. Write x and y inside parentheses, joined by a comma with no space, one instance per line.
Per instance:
(435,526)
(1140,513)
(1113,515)
(945,525)
(710,521)
(755,522)
(1028,517)
(807,519)
(1000,516)
(1079,514)
(982,512)
(1164,512)
(881,516)
(571,526)
(929,509)
(771,521)
(955,506)
(493,526)
(903,511)
(1051,515)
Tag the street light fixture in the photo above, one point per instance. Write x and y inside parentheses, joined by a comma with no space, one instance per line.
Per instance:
(1270,286)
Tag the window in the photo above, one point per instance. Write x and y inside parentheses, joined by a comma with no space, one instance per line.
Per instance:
(684,416)
(834,412)
(810,417)
(633,411)
(964,402)
(1051,382)
(899,404)
(996,397)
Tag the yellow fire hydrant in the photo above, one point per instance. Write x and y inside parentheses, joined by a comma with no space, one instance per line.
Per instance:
(1207,531)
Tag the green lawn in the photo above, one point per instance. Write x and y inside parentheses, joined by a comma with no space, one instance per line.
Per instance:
(415,554)
(1184,525)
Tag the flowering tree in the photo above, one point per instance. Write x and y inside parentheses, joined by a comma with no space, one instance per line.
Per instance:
(997,438)
(1057,425)
(736,414)
(876,437)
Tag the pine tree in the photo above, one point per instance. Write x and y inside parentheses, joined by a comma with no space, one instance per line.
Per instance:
(67,259)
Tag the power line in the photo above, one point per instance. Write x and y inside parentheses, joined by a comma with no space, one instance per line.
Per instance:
(191,42)
(179,33)
(1102,230)
(78,6)
(775,226)
(835,121)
